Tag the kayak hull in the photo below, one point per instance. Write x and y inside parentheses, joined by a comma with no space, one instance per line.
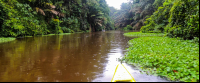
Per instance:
(122,75)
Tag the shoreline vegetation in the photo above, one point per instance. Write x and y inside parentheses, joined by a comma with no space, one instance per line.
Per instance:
(32,17)
(52,34)
(58,34)
(3,40)
(140,34)
(8,39)
(173,58)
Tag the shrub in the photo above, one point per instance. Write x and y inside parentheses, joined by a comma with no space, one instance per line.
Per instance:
(128,27)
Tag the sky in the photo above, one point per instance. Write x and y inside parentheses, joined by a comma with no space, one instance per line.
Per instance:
(116,3)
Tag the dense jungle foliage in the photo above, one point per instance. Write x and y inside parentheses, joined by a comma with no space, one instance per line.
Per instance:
(40,17)
(133,13)
(176,18)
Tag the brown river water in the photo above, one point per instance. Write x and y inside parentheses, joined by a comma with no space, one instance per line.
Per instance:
(79,57)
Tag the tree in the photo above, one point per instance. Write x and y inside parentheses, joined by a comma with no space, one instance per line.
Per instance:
(38,17)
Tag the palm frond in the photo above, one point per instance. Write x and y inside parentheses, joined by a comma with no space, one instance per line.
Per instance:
(40,10)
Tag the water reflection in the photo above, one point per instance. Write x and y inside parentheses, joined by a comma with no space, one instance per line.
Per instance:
(82,57)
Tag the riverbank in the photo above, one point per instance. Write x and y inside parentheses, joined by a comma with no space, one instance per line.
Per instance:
(3,40)
(57,34)
(51,34)
(140,34)
(178,60)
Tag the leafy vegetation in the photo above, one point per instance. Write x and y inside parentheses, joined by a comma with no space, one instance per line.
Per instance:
(2,40)
(169,57)
(41,17)
(140,34)
(128,27)
(176,59)
(134,13)
(178,18)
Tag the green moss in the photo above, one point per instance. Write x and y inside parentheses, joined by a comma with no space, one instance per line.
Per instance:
(3,40)
(140,34)
(175,59)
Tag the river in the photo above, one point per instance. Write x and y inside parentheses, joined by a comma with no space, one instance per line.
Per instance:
(79,57)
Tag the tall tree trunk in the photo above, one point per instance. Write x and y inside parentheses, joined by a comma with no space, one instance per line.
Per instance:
(90,29)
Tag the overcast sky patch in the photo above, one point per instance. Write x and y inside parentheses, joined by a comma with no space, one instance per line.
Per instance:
(116,3)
